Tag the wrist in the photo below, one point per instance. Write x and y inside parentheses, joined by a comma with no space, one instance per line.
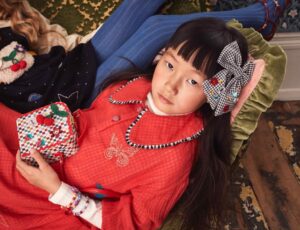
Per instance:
(54,188)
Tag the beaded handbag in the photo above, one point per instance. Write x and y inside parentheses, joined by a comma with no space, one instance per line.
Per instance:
(14,61)
(50,130)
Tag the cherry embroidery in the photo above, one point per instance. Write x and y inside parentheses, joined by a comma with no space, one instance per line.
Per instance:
(48,121)
(19,48)
(42,120)
(17,66)
(57,111)
(23,64)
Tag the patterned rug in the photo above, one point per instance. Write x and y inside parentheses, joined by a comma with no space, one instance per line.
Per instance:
(244,209)
(285,121)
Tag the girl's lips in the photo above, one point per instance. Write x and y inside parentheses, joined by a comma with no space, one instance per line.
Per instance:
(164,100)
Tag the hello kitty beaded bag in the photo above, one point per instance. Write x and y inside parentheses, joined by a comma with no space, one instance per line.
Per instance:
(14,61)
(50,130)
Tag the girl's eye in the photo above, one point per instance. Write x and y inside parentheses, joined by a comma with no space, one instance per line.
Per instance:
(169,65)
(192,82)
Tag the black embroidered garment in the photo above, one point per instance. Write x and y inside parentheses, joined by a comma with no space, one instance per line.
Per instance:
(56,76)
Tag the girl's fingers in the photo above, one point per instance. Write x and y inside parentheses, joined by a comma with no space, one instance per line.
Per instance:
(19,161)
(39,159)
(22,171)
(21,165)
(18,157)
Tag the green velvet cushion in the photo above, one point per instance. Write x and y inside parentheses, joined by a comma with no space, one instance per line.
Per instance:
(265,92)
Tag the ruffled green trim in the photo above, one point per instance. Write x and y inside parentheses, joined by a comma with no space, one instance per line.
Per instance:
(266,90)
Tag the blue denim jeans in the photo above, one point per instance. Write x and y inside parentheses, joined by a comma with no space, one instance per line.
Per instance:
(134,33)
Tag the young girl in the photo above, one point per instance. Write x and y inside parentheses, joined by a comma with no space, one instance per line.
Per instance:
(130,36)
(142,144)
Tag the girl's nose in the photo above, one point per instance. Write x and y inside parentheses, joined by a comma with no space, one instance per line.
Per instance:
(172,85)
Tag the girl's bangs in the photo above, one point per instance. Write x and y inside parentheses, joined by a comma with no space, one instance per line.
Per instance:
(203,57)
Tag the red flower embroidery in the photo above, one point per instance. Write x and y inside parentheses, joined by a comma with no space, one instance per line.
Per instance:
(225,109)
(214,81)
(56,131)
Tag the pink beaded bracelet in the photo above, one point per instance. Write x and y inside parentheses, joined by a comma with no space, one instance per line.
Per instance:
(87,201)
(74,201)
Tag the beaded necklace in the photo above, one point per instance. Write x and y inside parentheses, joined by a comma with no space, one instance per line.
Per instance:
(139,117)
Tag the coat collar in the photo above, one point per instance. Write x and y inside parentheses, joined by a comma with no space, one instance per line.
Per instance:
(170,128)
(131,92)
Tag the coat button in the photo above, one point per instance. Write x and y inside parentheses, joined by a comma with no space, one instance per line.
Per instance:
(116,118)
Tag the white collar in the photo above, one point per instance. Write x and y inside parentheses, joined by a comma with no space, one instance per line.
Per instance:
(153,107)
(156,110)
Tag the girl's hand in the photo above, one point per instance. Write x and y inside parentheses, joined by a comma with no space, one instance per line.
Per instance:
(43,177)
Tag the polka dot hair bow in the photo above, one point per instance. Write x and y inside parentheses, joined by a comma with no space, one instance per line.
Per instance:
(223,89)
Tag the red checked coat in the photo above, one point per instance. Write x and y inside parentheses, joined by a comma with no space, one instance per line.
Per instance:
(149,181)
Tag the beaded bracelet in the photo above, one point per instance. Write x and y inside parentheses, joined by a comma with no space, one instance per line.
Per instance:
(78,197)
(87,201)
(68,207)
(74,201)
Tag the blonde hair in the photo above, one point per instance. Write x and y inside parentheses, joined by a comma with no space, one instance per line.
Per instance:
(26,21)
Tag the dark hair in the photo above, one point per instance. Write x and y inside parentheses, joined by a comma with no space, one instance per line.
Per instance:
(203,203)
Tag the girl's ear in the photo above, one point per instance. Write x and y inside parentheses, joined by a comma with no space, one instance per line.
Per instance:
(158,56)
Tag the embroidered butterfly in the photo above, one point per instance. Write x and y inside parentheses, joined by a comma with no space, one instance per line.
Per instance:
(117,150)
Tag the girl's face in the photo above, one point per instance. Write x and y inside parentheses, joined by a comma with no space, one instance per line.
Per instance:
(177,85)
